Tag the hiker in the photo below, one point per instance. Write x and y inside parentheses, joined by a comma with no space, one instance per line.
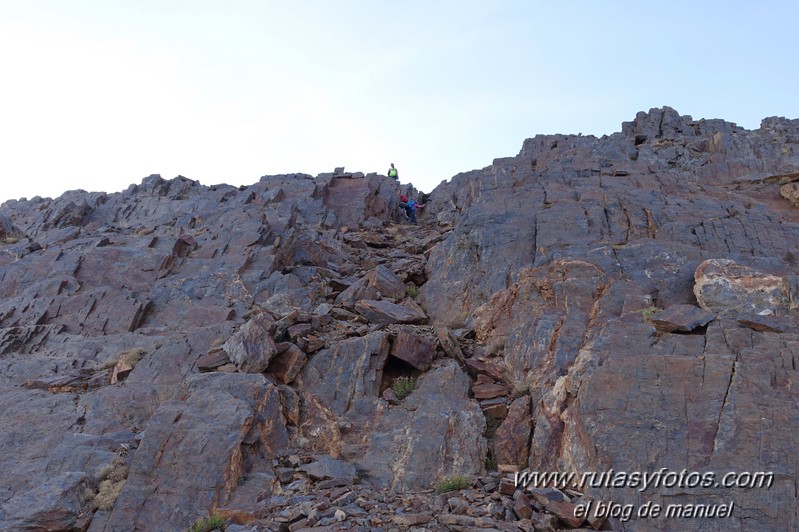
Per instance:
(410,207)
(392,172)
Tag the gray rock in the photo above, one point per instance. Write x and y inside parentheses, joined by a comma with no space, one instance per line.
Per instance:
(684,318)
(327,467)
(384,312)
(386,283)
(252,347)
(195,437)
(346,378)
(436,433)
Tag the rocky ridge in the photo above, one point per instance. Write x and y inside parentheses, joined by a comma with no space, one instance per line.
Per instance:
(616,304)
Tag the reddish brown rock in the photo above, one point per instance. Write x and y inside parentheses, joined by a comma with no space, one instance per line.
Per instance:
(471,523)
(346,377)
(552,259)
(522,506)
(212,360)
(413,349)
(390,396)
(58,383)
(329,468)
(507,486)
(449,344)
(496,408)
(298,330)
(489,391)
(481,367)
(512,439)
(286,365)
(436,433)
(557,503)
(484,379)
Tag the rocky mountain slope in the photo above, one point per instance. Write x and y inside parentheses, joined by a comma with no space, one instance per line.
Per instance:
(624,304)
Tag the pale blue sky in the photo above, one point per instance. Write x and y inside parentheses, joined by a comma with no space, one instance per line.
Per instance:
(97,94)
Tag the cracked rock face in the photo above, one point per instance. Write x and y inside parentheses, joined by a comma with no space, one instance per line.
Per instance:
(275,325)
(669,212)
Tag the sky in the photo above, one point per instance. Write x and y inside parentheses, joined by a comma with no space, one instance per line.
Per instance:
(98,94)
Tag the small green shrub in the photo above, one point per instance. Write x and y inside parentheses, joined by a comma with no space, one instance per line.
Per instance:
(790,258)
(492,424)
(648,311)
(402,387)
(215,521)
(453,483)
(412,291)
(112,480)
(491,461)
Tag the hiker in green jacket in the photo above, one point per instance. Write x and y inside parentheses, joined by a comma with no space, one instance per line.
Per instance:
(392,172)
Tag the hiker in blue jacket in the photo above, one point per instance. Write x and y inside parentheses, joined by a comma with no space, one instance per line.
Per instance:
(410,207)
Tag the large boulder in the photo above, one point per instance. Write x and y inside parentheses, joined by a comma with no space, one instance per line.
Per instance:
(435,433)
(253,347)
(414,349)
(346,378)
(193,452)
(727,288)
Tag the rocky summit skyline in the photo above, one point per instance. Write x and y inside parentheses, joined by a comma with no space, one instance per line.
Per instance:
(613,317)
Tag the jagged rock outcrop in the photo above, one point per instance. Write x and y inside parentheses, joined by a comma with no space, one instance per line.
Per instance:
(290,354)
(8,233)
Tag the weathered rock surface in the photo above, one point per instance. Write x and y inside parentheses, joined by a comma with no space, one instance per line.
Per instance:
(253,346)
(175,473)
(270,321)
(513,435)
(726,287)
(414,349)
(385,312)
(683,318)
(435,433)
(791,193)
(8,233)
(558,253)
